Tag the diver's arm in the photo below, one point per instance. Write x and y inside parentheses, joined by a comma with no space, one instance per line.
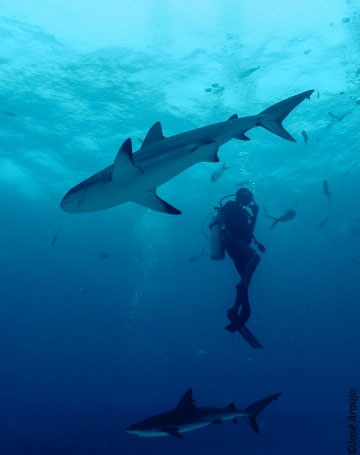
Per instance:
(255,210)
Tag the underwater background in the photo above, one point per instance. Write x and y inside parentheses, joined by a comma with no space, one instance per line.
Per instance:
(110,319)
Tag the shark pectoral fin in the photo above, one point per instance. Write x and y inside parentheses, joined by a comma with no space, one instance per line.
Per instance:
(242,137)
(154,134)
(152,201)
(172,432)
(217,421)
(235,420)
(124,162)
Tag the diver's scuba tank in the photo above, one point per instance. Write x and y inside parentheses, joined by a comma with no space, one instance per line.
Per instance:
(217,249)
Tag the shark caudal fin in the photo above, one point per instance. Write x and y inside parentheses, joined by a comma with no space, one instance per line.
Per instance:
(253,410)
(272,117)
(274,221)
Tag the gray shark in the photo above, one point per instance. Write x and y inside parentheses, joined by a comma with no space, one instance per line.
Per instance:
(186,417)
(136,176)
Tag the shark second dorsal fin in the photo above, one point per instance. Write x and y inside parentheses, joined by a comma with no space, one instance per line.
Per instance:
(124,162)
(152,201)
(233,117)
(186,401)
(154,134)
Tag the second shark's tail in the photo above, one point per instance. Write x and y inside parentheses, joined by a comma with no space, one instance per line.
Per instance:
(273,116)
(253,410)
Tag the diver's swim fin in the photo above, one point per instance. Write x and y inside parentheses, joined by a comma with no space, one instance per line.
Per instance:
(246,334)
(249,337)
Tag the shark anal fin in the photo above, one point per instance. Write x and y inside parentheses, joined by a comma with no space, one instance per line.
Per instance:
(235,420)
(217,421)
(154,134)
(152,201)
(172,432)
(124,162)
(234,116)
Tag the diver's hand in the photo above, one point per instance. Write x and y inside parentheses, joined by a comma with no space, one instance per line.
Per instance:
(254,208)
(261,248)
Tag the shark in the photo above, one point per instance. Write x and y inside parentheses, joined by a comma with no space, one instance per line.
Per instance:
(186,417)
(135,176)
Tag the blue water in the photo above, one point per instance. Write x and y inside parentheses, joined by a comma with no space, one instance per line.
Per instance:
(89,344)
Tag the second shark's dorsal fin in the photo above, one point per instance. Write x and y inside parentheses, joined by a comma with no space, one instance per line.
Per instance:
(186,402)
(124,162)
(154,134)
(233,117)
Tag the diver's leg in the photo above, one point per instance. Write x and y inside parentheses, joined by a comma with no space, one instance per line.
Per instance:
(241,292)
(250,268)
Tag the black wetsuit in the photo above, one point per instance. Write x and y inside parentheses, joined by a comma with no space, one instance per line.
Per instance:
(238,235)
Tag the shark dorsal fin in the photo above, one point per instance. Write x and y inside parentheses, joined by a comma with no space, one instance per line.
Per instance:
(154,134)
(186,401)
(233,117)
(231,406)
(124,162)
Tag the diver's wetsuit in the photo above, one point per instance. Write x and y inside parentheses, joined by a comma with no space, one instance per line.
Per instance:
(238,234)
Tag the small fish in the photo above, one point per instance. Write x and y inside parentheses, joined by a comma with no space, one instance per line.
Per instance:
(326,190)
(55,236)
(10,114)
(338,117)
(318,94)
(297,201)
(288,215)
(305,136)
(196,258)
(201,352)
(247,73)
(104,255)
(217,174)
(323,222)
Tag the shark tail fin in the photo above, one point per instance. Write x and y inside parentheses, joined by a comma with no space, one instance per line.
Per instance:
(254,409)
(274,221)
(272,117)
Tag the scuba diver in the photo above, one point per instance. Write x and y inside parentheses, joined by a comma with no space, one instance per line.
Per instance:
(232,230)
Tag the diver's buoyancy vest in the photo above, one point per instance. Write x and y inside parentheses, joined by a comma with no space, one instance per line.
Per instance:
(237,221)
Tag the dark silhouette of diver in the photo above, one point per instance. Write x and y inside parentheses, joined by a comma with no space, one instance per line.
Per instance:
(237,221)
